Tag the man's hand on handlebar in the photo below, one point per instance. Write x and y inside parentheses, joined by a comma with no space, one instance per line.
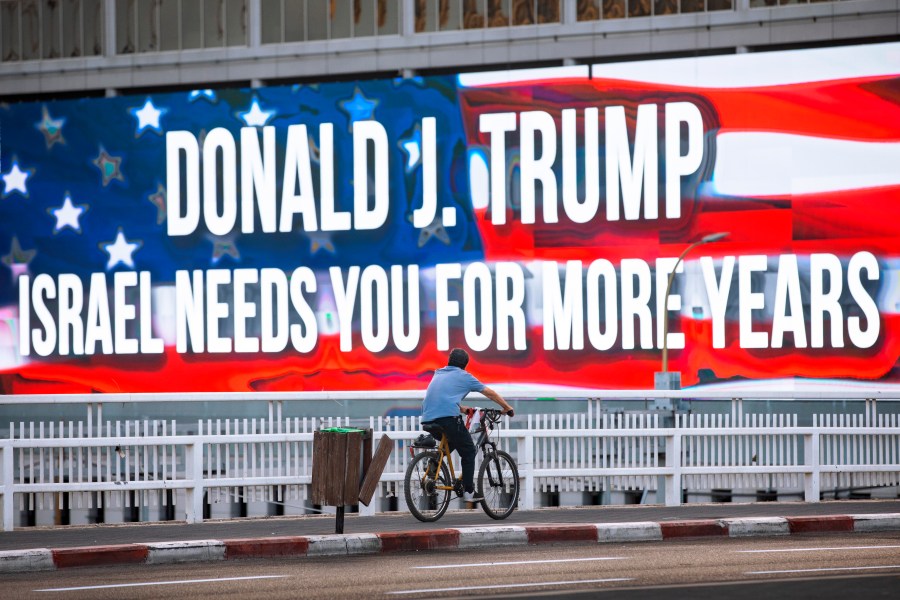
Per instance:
(509,411)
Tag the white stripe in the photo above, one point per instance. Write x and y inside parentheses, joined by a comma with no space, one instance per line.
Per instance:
(822,570)
(813,549)
(148,583)
(518,75)
(520,562)
(761,69)
(781,164)
(508,585)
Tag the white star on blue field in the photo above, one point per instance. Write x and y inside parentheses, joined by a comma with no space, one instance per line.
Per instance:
(120,251)
(148,117)
(256,116)
(67,215)
(16,179)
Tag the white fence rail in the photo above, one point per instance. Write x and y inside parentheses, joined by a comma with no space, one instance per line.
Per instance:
(103,463)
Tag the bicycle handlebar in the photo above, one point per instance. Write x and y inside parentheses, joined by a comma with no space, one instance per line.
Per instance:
(492,414)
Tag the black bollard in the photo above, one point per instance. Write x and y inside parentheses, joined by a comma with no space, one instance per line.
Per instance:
(339,520)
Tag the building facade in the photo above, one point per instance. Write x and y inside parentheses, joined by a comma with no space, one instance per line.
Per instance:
(50,48)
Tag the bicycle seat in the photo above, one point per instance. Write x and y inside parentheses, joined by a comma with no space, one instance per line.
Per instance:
(433,428)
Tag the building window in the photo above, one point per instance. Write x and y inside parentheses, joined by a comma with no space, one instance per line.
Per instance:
(310,20)
(162,25)
(770,3)
(593,10)
(447,15)
(49,29)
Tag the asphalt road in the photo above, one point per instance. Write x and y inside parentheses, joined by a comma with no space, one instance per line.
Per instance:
(814,566)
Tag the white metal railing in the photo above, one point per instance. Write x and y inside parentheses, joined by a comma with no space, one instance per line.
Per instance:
(96,462)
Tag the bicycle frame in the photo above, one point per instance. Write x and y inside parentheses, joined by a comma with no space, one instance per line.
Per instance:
(444,451)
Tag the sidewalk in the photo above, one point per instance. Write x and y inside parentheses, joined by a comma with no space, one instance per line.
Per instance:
(156,543)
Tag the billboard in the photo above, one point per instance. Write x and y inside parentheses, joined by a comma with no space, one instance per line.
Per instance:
(345,236)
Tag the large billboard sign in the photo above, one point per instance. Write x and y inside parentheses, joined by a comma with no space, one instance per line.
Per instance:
(345,236)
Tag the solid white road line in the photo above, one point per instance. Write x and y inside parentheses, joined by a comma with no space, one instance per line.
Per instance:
(520,562)
(813,549)
(147,583)
(822,570)
(508,585)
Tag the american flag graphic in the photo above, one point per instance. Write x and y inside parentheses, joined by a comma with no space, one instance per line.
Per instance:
(800,157)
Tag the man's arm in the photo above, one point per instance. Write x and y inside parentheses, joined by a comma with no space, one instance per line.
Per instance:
(492,395)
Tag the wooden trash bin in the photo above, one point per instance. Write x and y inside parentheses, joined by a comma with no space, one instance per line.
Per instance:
(343,472)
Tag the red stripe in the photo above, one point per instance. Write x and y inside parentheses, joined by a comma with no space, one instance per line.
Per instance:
(692,529)
(815,524)
(277,546)
(411,541)
(100,555)
(561,533)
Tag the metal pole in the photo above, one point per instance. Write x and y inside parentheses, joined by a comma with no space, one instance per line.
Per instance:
(665,349)
(339,520)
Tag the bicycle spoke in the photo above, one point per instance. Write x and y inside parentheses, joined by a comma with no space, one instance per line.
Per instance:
(422,482)
(499,484)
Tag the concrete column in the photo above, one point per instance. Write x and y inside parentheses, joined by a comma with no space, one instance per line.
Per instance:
(407,18)
(254,23)
(570,12)
(109,29)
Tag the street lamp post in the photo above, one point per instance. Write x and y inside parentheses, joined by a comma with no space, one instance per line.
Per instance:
(666,380)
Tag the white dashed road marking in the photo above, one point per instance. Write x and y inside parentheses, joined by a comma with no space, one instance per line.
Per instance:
(148,583)
(520,562)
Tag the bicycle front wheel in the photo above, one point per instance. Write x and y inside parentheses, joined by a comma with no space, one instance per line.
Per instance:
(498,483)
(423,498)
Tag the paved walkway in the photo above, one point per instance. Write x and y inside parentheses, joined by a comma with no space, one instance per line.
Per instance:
(51,548)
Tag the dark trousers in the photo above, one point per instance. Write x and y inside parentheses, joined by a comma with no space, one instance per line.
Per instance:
(461,441)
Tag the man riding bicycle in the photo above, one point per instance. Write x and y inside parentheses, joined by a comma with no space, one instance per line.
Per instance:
(442,407)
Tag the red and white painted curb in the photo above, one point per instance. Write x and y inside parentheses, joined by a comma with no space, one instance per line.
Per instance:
(44,559)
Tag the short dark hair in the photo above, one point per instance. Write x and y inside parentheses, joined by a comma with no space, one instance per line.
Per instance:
(458,358)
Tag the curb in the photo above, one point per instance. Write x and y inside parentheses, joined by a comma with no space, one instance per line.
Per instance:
(44,559)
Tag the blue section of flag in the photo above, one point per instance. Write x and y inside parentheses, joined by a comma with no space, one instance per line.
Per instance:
(112,164)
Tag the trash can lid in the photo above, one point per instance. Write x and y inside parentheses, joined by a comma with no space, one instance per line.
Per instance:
(341,430)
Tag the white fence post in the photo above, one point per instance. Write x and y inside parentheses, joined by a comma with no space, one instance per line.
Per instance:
(193,458)
(811,487)
(526,470)
(6,459)
(673,461)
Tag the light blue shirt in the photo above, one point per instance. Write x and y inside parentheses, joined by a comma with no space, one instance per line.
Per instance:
(447,389)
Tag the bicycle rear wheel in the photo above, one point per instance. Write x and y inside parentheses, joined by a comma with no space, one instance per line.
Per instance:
(424,500)
(498,483)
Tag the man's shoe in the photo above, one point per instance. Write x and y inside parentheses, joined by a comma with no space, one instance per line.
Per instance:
(472,497)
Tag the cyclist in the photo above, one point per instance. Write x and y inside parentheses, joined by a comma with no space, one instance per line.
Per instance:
(442,407)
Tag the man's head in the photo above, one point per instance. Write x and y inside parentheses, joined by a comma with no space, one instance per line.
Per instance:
(458,358)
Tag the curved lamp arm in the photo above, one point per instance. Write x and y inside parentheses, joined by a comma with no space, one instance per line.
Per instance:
(713,237)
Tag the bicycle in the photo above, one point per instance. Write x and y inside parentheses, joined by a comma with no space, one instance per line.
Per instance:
(430,477)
